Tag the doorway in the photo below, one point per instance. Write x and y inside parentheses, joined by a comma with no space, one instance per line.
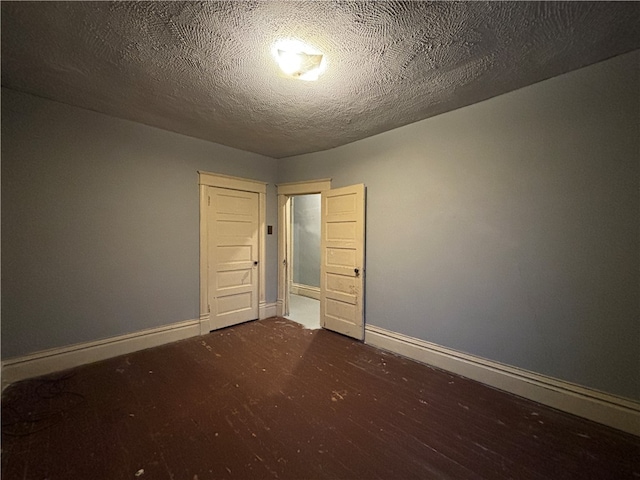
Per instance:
(304,261)
(342,254)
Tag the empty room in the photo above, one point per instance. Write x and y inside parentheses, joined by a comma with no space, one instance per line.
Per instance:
(320,239)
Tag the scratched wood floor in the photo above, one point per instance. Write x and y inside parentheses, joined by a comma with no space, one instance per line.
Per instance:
(270,399)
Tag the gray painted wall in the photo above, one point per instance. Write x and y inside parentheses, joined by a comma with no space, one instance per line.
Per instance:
(100,223)
(510,229)
(306,240)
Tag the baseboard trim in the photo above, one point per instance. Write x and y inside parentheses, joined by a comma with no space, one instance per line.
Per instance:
(306,291)
(268,310)
(616,412)
(57,359)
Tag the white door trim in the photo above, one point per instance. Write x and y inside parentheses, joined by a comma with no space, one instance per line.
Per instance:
(207,179)
(304,188)
(285,191)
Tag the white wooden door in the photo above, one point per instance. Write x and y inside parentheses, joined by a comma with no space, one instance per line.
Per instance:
(342,257)
(232,240)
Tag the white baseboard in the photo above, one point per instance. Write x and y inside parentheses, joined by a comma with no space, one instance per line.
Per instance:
(616,412)
(267,310)
(306,291)
(57,359)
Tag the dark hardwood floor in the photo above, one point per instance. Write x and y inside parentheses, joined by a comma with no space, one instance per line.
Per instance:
(269,399)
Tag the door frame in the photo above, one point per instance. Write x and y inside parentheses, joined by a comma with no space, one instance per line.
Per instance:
(205,180)
(285,192)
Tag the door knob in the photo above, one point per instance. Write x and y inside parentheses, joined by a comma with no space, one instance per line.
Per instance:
(357,272)
(255,263)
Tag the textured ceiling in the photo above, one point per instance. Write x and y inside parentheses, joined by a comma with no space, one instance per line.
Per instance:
(205,69)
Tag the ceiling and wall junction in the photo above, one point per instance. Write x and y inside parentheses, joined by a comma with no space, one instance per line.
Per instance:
(205,69)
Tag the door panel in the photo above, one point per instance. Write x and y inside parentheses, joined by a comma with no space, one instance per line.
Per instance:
(233,253)
(342,268)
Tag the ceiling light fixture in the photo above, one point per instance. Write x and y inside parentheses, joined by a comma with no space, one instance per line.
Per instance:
(299,60)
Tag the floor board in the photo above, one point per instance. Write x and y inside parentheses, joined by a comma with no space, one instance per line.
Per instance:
(270,399)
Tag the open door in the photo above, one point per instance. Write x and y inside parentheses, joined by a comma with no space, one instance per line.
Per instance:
(342,257)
